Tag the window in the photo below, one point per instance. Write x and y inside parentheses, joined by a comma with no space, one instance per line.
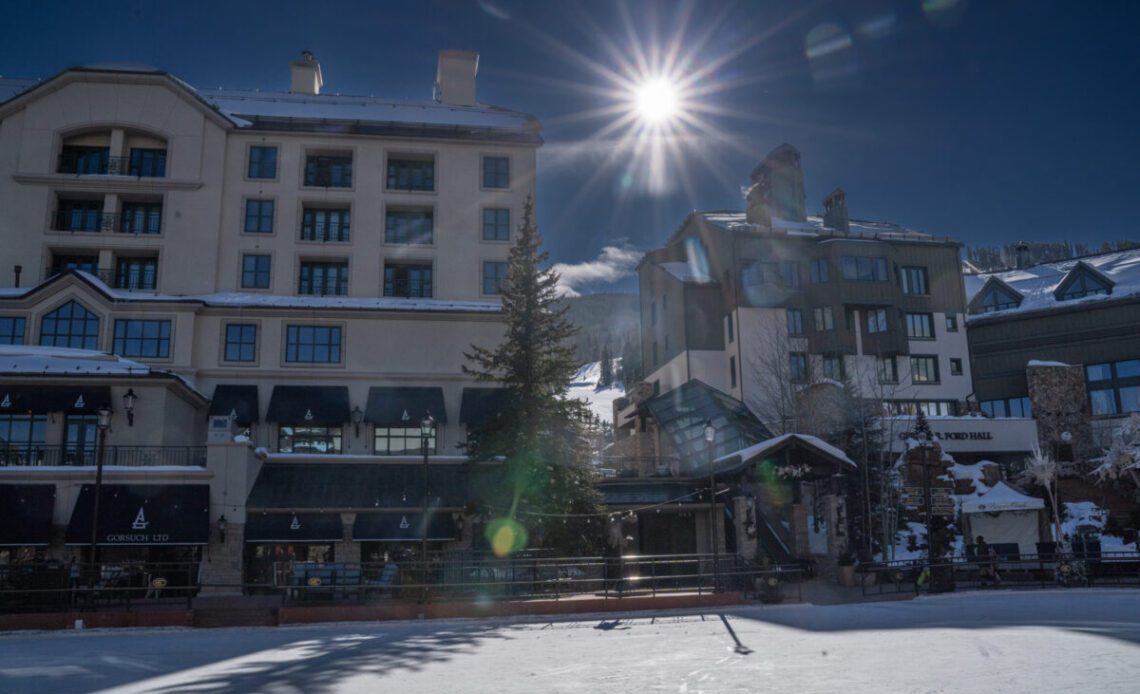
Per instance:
(408,281)
(877,320)
(79,439)
(833,366)
(400,441)
(136,273)
(147,163)
(920,326)
(930,408)
(259,216)
(819,273)
(308,439)
(496,172)
(863,269)
(732,372)
(142,338)
(70,325)
(997,300)
(1083,284)
(1114,388)
(923,368)
(141,218)
(82,160)
(798,366)
(951,324)
(913,280)
(23,436)
(496,224)
(327,171)
(325,224)
(731,336)
(79,215)
(255,271)
(955,367)
(408,226)
(322,278)
(795,321)
(312,344)
(1009,407)
(823,319)
(262,162)
(84,263)
(411,173)
(12,330)
(241,342)
(494,274)
(757,272)
(790,274)
(888,370)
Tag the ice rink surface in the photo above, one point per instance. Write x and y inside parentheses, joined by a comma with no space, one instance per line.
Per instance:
(1041,641)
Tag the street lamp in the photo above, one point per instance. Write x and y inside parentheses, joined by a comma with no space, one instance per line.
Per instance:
(129,406)
(710,437)
(427,430)
(103,422)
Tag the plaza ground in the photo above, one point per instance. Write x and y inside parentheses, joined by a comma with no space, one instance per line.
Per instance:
(1049,640)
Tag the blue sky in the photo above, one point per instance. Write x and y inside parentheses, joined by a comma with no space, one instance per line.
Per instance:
(985,121)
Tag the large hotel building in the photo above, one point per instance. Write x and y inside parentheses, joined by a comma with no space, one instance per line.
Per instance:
(292,277)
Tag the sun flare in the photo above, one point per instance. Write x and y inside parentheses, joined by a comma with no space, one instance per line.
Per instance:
(656,101)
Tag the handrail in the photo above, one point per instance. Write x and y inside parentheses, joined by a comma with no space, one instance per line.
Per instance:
(128,456)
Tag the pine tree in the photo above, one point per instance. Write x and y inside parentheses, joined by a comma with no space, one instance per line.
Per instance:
(922,431)
(547,486)
(606,379)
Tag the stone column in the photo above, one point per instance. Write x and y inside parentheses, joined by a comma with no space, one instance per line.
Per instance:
(221,566)
(348,551)
(1059,400)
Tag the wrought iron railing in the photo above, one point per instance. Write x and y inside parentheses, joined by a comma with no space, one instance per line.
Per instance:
(84,220)
(128,456)
(53,585)
(408,289)
(87,164)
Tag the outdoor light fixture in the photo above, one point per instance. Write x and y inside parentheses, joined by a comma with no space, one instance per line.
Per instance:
(710,437)
(129,405)
(104,417)
(427,428)
(102,423)
(222,528)
(427,425)
(710,431)
(1066,436)
(357,417)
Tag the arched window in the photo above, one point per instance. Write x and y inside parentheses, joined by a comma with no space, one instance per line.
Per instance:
(70,325)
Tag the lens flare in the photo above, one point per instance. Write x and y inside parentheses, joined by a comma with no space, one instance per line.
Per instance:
(656,100)
(506,536)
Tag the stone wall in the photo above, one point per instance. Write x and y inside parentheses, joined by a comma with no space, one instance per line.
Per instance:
(1060,403)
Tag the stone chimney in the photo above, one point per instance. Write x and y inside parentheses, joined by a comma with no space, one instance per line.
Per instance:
(1022,255)
(455,78)
(835,211)
(306,75)
(777,188)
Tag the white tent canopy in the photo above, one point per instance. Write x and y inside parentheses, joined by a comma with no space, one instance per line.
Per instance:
(1005,516)
(1002,498)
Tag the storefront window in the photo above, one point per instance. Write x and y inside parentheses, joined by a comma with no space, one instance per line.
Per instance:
(308,439)
(401,441)
(270,564)
(21,438)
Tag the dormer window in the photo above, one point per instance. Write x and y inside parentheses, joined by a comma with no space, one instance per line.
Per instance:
(1082,281)
(995,295)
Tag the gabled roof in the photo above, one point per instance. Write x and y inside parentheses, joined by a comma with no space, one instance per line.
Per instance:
(1039,284)
(1083,270)
(773,446)
(683,411)
(993,284)
(1002,498)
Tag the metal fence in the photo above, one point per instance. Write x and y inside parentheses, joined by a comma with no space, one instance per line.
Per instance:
(58,586)
(129,456)
(1080,569)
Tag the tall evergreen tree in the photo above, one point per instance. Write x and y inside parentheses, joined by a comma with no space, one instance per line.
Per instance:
(606,378)
(547,491)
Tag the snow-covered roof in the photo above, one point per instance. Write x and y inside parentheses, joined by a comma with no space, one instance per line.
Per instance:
(34,360)
(1002,498)
(687,272)
(1038,283)
(10,87)
(765,448)
(814,227)
(249,300)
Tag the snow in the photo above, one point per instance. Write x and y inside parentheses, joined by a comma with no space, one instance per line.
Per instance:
(760,449)
(814,227)
(975,473)
(1037,284)
(600,401)
(1002,498)
(1040,641)
(27,360)
(1040,362)
(687,272)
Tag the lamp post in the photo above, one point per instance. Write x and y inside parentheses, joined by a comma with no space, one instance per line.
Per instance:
(427,428)
(357,416)
(710,437)
(103,422)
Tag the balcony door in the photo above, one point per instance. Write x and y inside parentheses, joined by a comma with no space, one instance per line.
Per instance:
(80,438)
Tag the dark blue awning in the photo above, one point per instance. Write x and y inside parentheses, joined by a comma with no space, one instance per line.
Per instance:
(239,402)
(309,405)
(293,527)
(73,399)
(403,527)
(480,404)
(404,406)
(143,514)
(25,514)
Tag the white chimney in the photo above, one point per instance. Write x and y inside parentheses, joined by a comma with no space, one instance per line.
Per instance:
(455,77)
(306,73)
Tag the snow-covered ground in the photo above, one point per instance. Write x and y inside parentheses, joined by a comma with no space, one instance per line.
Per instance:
(585,387)
(1042,641)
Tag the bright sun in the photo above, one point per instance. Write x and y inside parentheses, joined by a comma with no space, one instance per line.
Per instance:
(656,101)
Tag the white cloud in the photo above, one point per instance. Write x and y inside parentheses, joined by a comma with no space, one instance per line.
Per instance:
(612,264)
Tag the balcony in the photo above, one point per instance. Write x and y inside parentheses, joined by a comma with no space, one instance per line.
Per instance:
(408,289)
(88,164)
(125,456)
(638,467)
(106,276)
(76,219)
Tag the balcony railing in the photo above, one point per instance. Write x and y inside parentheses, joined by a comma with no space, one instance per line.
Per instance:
(94,165)
(107,276)
(90,221)
(630,466)
(408,289)
(127,456)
